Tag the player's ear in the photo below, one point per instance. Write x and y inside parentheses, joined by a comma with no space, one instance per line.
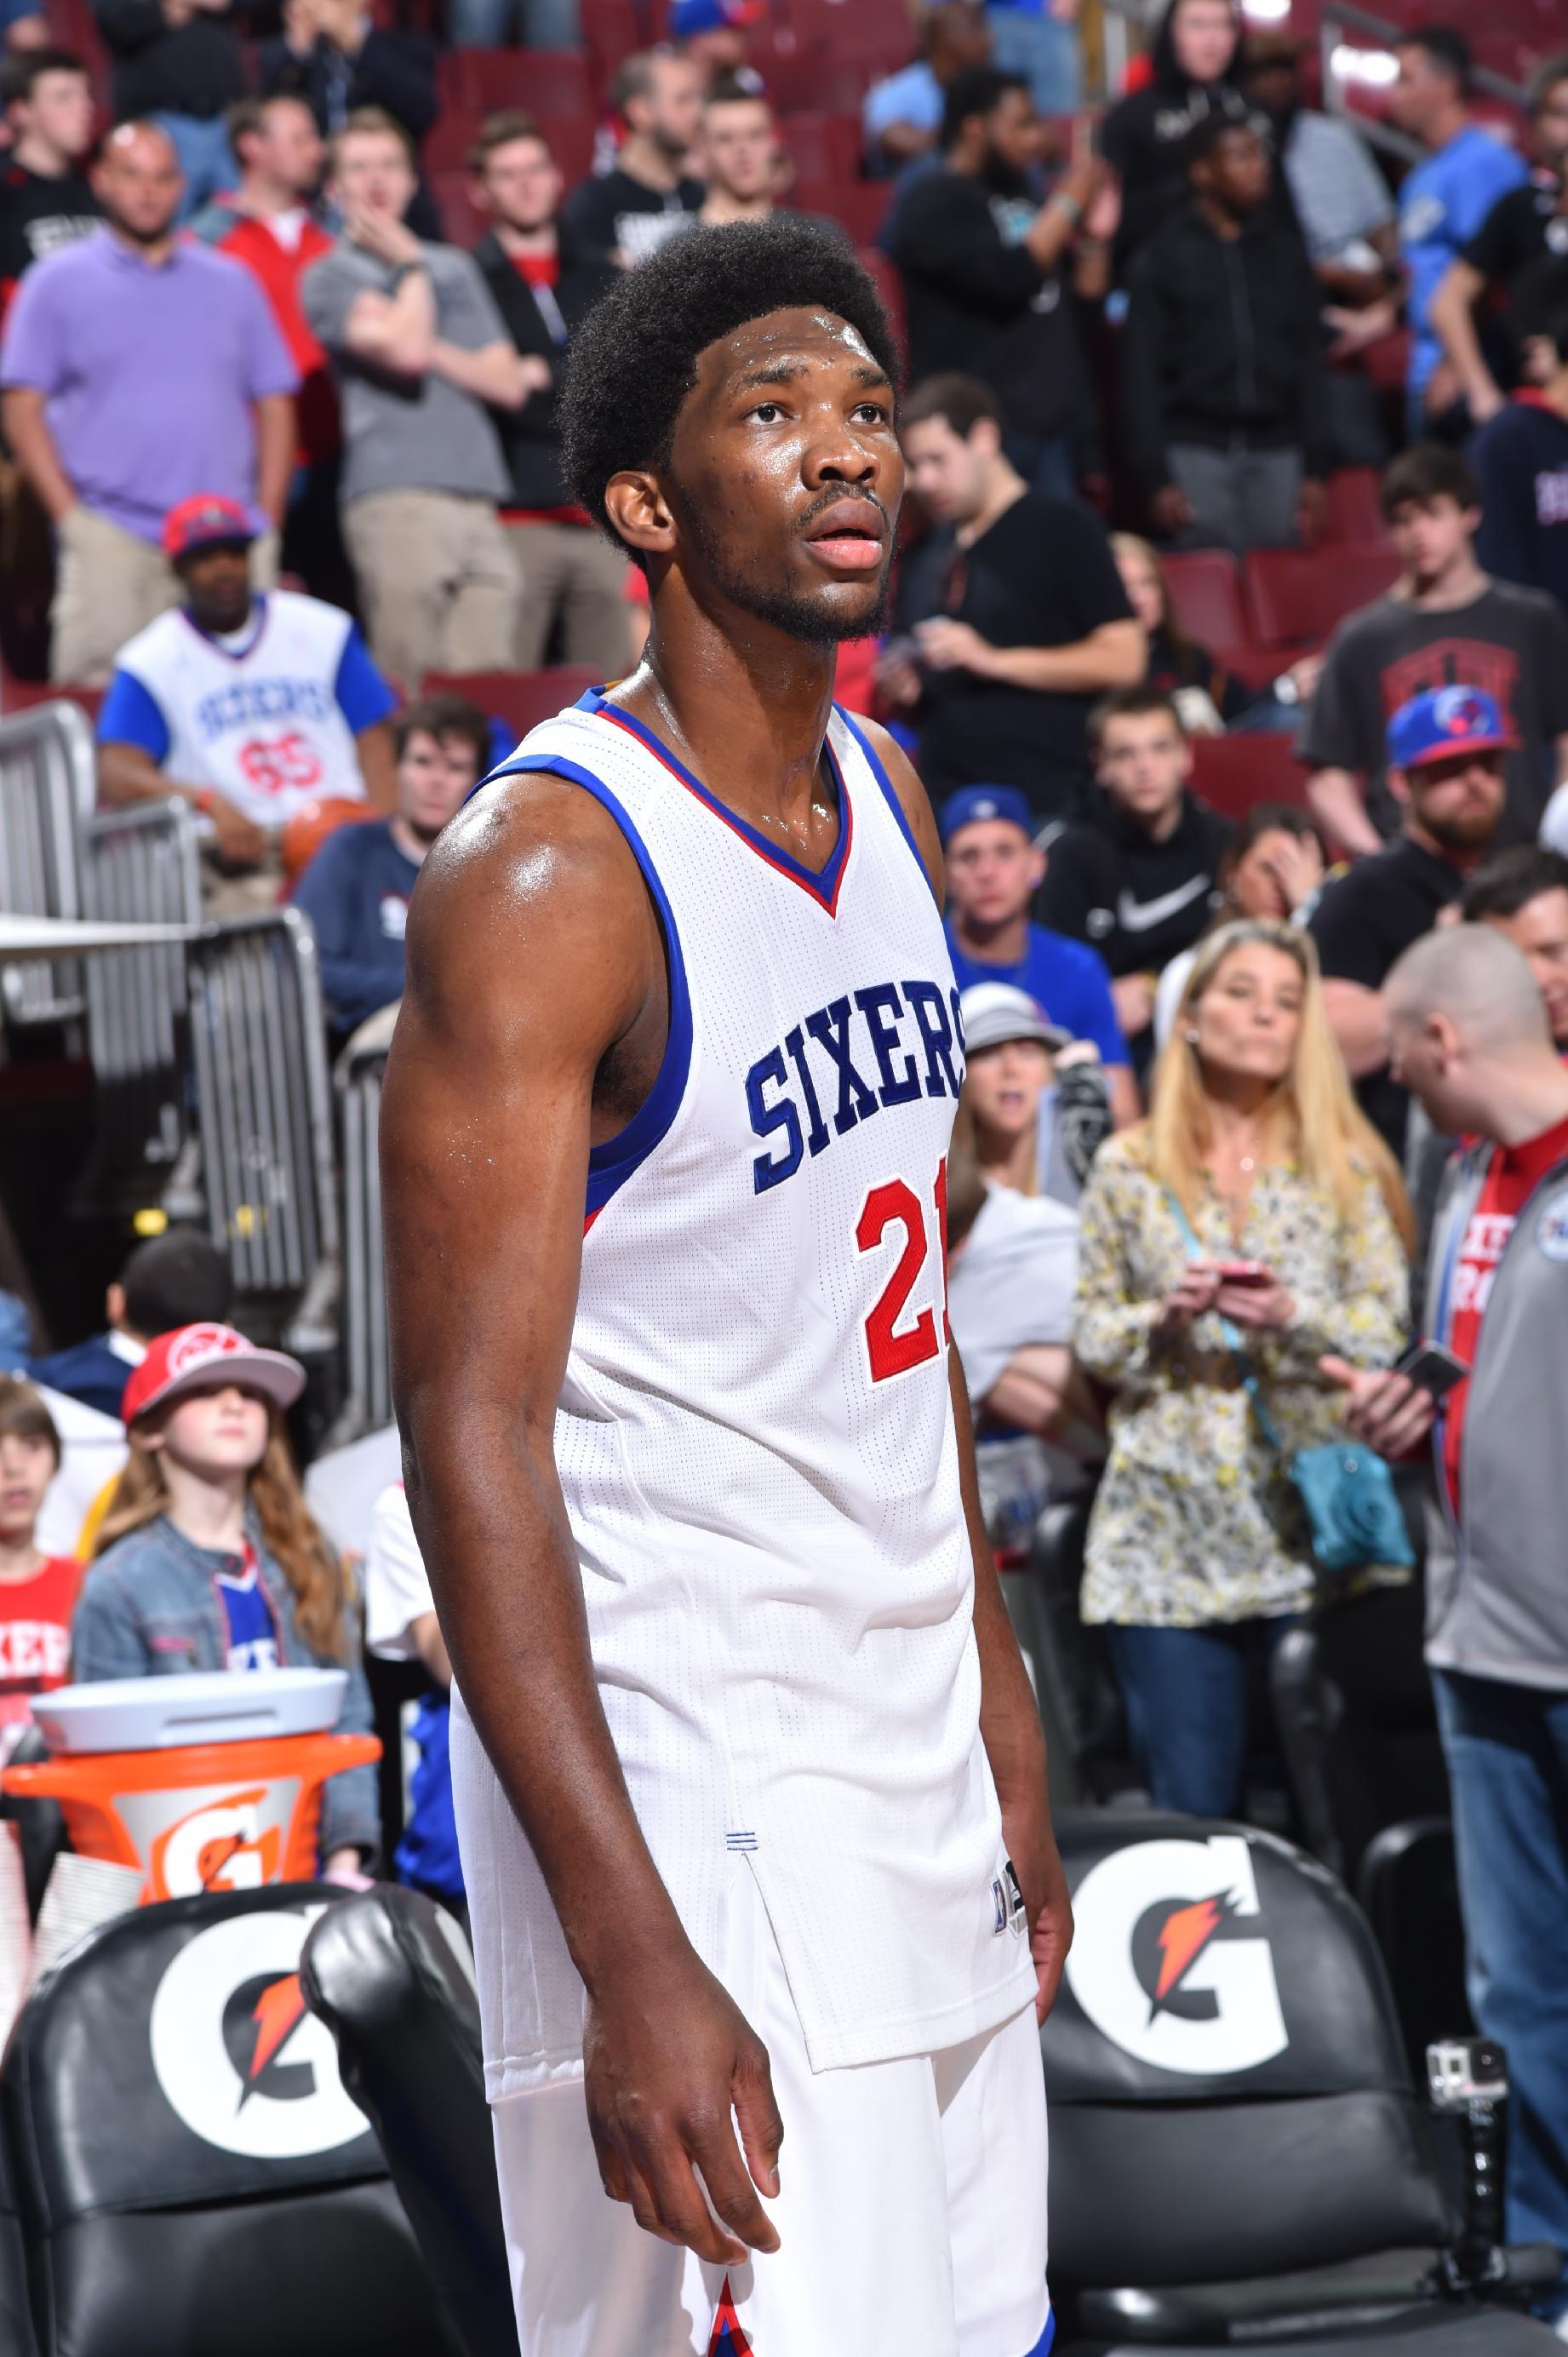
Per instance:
(639,512)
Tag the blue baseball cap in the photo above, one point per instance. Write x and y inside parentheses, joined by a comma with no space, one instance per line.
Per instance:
(691,16)
(971,803)
(1443,721)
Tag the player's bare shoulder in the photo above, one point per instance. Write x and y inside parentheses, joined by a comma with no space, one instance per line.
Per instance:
(913,798)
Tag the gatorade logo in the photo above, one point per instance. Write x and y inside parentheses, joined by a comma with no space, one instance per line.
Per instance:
(1170,1962)
(242,2061)
(224,1847)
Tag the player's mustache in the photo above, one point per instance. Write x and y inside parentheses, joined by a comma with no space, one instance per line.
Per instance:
(819,507)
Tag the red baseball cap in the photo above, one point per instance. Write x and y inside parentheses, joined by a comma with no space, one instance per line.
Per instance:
(191,1357)
(203,522)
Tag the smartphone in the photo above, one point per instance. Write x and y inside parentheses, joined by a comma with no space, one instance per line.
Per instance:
(1432,1368)
(1245,1272)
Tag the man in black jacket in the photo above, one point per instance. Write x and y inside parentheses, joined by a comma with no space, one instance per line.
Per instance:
(989,276)
(1195,76)
(332,55)
(1222,360)
(544,281)
(178,62)
(1136,877)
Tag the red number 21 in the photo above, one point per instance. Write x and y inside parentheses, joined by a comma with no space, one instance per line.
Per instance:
(892,1349)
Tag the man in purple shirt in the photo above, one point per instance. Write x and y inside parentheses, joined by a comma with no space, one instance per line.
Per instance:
(138,369)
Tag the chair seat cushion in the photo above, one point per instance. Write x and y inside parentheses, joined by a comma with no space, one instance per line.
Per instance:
(1441,2331)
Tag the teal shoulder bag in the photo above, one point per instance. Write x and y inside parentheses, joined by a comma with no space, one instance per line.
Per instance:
(1345,1488)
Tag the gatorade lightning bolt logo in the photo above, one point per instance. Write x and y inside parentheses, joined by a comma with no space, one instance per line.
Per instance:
(276,2013)
(1182,1939)
(728,2340)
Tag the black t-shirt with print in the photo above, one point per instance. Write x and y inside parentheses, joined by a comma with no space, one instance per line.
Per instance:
(1364,922)
(1522,248)
(39,214)
(1511,641)
(612,213)
(1042,577)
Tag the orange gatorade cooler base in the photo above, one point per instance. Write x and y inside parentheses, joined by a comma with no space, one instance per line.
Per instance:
(237,1808)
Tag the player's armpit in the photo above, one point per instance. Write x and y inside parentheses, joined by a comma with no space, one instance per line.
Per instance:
(913,800)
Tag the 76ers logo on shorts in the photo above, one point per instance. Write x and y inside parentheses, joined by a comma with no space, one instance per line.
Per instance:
(1170,1961)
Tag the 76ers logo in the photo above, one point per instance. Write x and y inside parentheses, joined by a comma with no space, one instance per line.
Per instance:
(196,1344)
(728,2340)
(242,2061)
(1169,1961)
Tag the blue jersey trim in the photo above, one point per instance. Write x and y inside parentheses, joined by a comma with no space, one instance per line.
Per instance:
(1046,2340)
(889,796)
(131,714)
(612,1163)
(823,883)
(363,696)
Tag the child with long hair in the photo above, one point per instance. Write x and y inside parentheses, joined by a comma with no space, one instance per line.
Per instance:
(207,1557)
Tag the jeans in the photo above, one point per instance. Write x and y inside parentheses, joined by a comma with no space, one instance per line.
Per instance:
(538,23)
(1044,50)
(1186,1697)
(205,157)
(1241,498)
(1506,1748)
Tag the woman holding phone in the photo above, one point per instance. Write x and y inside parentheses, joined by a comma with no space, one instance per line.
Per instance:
(1256,1197)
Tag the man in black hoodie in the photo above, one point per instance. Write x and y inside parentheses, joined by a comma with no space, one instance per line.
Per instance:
(1222,360)
(1196,74)
(544,284)
(1520,459)
(1134,878)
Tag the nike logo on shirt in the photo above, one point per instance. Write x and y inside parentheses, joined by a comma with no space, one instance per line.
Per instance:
(1142,916)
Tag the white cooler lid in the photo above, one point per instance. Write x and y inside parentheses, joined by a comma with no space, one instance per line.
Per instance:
(199,1706)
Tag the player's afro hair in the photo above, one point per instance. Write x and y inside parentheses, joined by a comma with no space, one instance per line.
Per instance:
(634,358)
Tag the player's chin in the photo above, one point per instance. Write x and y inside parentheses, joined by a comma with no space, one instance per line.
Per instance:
(851,607)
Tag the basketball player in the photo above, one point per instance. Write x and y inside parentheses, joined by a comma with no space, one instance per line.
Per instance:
(750,1786)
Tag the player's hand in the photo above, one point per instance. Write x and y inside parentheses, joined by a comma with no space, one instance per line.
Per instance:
(668,2055)
(240,844)
(1170,510)
(948,645)
(1386,1411)
(1037,1862)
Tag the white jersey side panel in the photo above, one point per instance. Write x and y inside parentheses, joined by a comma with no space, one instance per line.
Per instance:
(262,726)
(756,1443)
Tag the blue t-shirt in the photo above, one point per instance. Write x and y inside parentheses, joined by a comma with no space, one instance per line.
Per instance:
(913,95)
(427,1854)
(355,893)
(1070,981)
(1442,205)
(253,1635)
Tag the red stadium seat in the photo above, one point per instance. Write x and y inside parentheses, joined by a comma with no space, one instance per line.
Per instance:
(1354,509)
(545,82)
(462,222)
(612,32)
(1233,774)
(889,285)
(812,81)
(859,207)
(1298,595)
(824,150)
(522,698)
(1205,596)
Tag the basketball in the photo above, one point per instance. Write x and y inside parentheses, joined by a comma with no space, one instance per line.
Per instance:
(306,829)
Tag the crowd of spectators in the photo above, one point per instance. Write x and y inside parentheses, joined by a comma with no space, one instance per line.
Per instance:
(1216,1055)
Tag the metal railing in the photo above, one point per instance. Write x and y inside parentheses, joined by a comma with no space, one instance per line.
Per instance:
(366,1374)
(140,865)
(46,789)
(264,1102)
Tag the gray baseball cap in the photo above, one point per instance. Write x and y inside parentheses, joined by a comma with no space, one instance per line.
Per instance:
(992,1012)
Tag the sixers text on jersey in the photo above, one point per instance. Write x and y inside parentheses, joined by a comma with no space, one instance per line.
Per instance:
(881,1016)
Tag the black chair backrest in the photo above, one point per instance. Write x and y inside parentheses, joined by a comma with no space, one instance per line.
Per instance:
(189,2171)
(1409,1890)
(1228,2085)
(1078,1689)
(390,1977)
(16,2335)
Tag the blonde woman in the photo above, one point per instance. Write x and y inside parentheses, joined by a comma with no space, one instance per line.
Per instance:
(1256,1193)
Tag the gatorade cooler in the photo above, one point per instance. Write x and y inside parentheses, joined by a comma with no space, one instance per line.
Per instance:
(207,1781)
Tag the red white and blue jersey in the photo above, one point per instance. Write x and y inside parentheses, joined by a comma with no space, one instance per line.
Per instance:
(267,715)
(756,1442)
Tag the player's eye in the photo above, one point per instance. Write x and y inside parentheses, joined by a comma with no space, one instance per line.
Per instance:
(872,413)
(768,412)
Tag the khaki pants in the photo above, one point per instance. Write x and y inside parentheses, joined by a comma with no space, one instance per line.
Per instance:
(110,583)
(241,891)
(437,582)
(574,576)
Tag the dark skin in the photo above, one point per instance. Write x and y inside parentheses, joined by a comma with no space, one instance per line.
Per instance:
(533,1024)
(217,584)
(1230,184)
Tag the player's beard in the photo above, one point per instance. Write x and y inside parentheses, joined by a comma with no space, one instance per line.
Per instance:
(805,617)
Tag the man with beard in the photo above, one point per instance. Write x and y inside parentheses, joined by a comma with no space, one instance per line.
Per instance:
(139,370)
(748,1776)
(250,706)
(648,195)
(989,273)
(1446,770)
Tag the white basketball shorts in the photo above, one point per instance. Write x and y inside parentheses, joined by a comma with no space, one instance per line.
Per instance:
(912,2213)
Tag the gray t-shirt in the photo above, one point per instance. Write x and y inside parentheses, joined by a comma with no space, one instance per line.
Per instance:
(409,433)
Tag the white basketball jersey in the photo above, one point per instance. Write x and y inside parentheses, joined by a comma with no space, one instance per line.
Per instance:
(756,1442)
(260,722)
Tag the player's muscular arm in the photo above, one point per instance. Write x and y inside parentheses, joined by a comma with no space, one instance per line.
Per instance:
(33,446)
(535,970)
(1009,1721)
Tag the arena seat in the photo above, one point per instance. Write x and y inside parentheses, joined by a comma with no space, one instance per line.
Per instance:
(611,30)
(522,698)
(1407,1888)
(824,150)
(462,222)
(1205,596)
(1296,596)
(1238,2153)
(188,2171)
(1234,773)
(885,276)
(1079,1699)
(16,2335)
(544,81)
(392,1979)
(1354,509)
